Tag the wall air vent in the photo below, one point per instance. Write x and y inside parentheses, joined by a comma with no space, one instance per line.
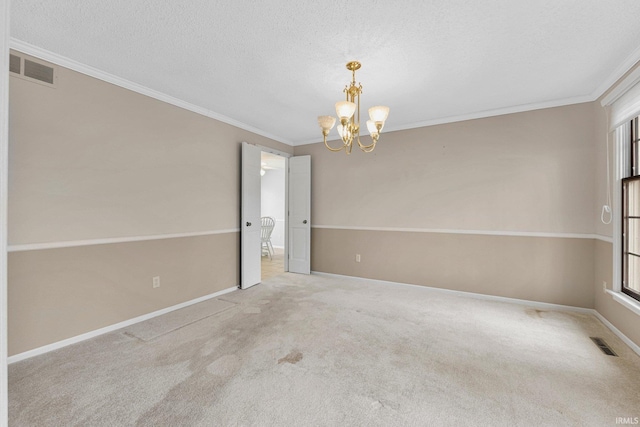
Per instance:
(38,71)
(32,70)
(15,64)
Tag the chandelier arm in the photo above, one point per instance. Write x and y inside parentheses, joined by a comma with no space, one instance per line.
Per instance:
(373,146)
(366,147)
(331,148)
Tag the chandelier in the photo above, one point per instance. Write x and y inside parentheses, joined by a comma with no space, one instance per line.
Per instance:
(349,115)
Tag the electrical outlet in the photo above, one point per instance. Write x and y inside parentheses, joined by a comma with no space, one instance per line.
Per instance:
(357,257)
(156,282)
(604,286)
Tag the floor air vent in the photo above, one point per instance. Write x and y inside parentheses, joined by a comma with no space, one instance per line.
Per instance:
(603,346)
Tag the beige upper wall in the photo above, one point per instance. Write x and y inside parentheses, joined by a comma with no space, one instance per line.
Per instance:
(92,160)
(530,171)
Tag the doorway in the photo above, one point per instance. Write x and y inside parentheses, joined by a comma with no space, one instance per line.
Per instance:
(273,213)
(297,229)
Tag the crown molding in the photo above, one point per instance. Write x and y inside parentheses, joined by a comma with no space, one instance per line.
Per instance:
(620,71)
(631,80)
(478,115)
(62,61)
(496,112)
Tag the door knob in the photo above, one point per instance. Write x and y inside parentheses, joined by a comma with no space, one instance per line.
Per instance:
(304,222)
(248,224)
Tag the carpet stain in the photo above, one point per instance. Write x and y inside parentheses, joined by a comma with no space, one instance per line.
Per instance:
(293,357)
(224,366)
(534,312)
(384,404)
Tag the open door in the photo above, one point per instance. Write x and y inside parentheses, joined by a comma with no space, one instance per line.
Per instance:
(250,244)
(300,214)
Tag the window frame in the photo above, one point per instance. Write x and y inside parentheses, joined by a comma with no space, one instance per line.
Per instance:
(633,167)
(625,239)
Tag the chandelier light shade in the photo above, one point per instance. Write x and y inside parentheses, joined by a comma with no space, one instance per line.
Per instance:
(348,112)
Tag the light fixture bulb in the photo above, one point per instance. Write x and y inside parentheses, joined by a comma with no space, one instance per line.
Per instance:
(379,113)
(326,122)
(344,132)
(371,126)
(345,109)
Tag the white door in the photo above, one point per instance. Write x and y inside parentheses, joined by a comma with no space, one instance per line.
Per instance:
(300,214)
(250,244)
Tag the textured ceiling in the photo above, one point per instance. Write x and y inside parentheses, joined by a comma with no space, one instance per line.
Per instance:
(276,65)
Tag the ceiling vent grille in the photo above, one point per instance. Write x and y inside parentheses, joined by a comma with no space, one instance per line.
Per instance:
(33,71)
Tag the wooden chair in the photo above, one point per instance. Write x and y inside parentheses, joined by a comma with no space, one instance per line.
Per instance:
(265,233)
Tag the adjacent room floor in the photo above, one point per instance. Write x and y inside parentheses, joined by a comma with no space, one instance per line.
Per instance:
(272,266)
(313,350)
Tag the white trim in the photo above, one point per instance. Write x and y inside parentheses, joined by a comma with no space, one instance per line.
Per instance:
(111,240)
(603,238)
(528,303)
(536,304)
(621,163)
(477,115)
(71,64)
(4,176)
(624,85)
(474,232)
(92,334)
(617,332)
(625,300)
(494,113)
(273,151)
(54,58)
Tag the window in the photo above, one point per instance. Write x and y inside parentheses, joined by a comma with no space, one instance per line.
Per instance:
(631,218)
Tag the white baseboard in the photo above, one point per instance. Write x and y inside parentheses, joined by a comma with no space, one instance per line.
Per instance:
(617,331)
(534,304)
(543,305)
(73,340)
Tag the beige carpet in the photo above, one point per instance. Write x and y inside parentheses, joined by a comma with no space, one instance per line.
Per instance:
(314,351)
(153,328)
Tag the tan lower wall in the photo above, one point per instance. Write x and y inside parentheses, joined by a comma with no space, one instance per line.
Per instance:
(56,294)
(622,318)
(551,270)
